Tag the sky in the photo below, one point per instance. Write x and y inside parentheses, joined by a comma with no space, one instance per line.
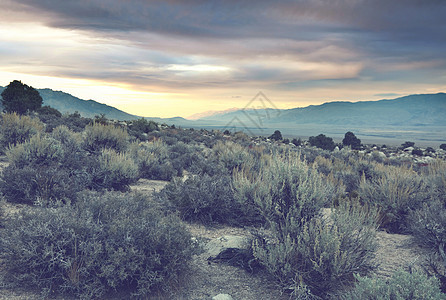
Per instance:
(178,58)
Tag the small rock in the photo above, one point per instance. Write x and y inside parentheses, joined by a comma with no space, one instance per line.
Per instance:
(222,297)
(216,246)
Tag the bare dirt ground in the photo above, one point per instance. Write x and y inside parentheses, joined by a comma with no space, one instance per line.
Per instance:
(207,279)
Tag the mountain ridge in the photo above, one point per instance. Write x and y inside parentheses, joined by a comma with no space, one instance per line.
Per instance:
(67,103)
(419,116)
(411,110)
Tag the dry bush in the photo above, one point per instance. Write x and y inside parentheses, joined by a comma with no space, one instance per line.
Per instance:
(115,171)
(98,137)
(402,285)
(396,191)
(286,191)
(16,129)
(103,243)
(324,253)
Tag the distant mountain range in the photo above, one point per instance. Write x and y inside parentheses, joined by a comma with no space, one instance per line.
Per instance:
(415,117)
(413,110)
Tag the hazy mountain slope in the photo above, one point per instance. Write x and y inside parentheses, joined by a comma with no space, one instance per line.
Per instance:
(67,103)
(413,110)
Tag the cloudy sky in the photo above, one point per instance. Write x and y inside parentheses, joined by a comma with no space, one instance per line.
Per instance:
(176,58)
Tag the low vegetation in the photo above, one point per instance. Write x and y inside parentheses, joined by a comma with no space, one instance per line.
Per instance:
(402,285)
(93,247)
(314,210)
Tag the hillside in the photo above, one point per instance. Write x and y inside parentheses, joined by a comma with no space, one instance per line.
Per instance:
(67,103)
(413,110)
(416,117)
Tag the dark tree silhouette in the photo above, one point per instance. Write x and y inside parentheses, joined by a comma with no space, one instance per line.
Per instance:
(20,98)
(408,144)
(322,141)
(350,139)
(277,136)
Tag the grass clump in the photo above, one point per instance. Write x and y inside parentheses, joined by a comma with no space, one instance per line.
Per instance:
(115,171)
(323,254)
(206,199)
(396,191)
(307,253)
(37,172)
(402,285)
(153,160)
(98,136)
(285,191)
(16,129)
(103,243)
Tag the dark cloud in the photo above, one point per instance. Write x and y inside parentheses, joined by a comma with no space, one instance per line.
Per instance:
(287,43)
(368,24)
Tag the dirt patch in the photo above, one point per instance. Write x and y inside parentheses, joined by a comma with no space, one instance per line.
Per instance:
(147,186)
(398,251)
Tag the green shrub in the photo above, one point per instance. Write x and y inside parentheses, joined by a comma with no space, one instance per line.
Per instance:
(15,129)
(153,160)
(428,225)
(105,242)
(323,253)
(418,152)
(74,154)
(75,121)
(98,137)
(402,285)
(296,142)
(277,136)
(20,98)
(38,151)
(115,171)
(207,199)
(48,110)
(45,184)
(232,155)
(42,169)
(286,192)
(396,191)
(350,139)
(139,128)
(407,144)
(322,141)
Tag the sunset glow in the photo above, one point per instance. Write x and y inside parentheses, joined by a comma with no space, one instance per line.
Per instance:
(176,58)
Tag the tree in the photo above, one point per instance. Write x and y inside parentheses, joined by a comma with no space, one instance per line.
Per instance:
(277,136)
(20,98)
(443,147)
(322,141)
(350,139)
(297,142)
(49,111)
(407,144)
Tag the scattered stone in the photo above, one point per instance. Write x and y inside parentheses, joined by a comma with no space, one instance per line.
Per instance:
(381,154)
(218,245)
(222,297)
(234,251)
